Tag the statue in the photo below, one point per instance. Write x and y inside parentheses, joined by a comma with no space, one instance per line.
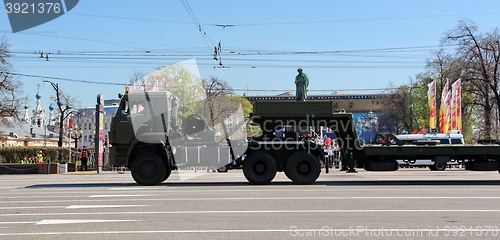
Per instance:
(301,83)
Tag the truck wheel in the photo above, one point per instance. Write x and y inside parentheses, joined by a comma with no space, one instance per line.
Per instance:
(259,168)
(167,174)
(303,168)
(148,169)
(438,167)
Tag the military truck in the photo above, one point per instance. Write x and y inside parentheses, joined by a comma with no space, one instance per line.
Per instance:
(145,137)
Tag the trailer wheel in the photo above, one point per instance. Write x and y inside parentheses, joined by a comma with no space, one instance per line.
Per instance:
(259,168)
(149,169)
(223,169)
(303,168)
(438,167)
(381,166)
(481,166)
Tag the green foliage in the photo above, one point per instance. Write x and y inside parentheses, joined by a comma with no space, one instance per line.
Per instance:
(20,154)
(182,83)
(246,106)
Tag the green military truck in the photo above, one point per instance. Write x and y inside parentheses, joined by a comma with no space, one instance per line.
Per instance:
(146,137)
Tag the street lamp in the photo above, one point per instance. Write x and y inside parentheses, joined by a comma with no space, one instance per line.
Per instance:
(77,134)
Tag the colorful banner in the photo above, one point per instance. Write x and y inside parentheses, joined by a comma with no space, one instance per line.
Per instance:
(447,117)
(456,103)
(443,125)
(431,93)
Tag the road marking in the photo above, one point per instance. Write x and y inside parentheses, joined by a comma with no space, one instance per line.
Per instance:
(2,223)
(419,232)
(340,188)
(39,207)
(102,206)
(73,221)
(138,188)
(123,195)
(243,199)
(74,207)
(265,212)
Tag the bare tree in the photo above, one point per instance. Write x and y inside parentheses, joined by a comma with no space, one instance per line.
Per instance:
(217,104)
(64,112)
(137,78)
(398,110)
(10,94)
(479,57)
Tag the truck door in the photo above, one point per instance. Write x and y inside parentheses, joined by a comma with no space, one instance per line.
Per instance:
(122,130)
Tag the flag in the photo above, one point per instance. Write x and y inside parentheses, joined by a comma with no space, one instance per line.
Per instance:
(443,108)
(456,105)
(447,118)
(431,93)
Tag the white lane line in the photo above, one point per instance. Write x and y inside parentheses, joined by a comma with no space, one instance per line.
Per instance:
(73,221)
(138,188)
(419,232)
(339,189)
(244,198)
(102,206)
(38,196)
(183,189)
(39,207)
(3,223)
(73,207)
(265,212)
(123,195)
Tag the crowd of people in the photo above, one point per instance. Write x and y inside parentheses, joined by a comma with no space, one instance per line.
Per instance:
(331,149)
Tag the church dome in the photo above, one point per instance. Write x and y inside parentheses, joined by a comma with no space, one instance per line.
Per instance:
(38,96)
(25,106)
(51,107)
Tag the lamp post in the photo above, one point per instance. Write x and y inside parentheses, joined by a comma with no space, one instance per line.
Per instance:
(77,134)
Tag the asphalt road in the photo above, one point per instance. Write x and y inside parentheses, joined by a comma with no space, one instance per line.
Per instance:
(407,204)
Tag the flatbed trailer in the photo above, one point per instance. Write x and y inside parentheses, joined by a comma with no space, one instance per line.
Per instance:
(473,156)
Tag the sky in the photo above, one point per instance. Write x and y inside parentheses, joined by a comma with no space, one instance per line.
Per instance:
(346,46)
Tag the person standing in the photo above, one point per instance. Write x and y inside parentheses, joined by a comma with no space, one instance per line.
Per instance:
(84,157)
(39,157)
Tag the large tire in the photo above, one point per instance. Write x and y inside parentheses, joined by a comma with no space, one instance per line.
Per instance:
(224,169)
(303,168)
(167,174)
(259,168)
(438,167)
(149,169)
(482,166)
